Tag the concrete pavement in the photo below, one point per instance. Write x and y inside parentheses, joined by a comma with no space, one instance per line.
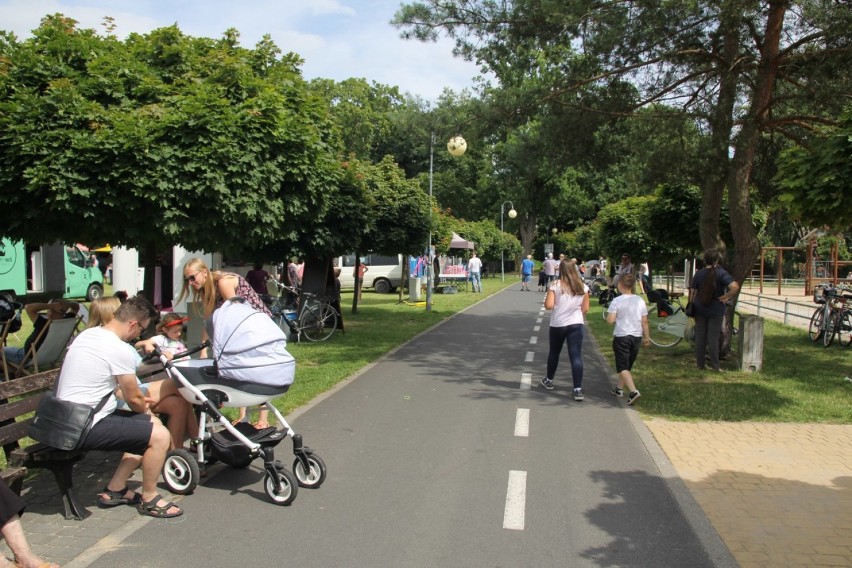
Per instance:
(777,494)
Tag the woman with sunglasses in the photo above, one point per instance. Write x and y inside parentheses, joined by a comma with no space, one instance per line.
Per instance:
(211,289)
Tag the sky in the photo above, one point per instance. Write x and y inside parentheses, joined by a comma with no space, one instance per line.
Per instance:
(337,39)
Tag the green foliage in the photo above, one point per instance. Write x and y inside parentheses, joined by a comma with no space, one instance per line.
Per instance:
(621,228)
(815,181)
(673,220)
(490,242)
(400,211)
(159,140)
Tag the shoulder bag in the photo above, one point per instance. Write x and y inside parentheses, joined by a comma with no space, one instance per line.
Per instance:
(689,310)
(63,424)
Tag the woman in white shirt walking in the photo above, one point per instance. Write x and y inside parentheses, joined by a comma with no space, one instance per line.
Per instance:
(568,297)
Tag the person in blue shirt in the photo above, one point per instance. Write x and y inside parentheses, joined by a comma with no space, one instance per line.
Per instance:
(527,266)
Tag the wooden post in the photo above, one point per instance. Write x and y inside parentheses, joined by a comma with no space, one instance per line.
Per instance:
(751,343)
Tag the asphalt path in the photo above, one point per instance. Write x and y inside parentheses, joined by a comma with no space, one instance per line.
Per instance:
(441,455)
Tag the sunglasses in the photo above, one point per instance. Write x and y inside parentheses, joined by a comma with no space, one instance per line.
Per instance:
(190,278)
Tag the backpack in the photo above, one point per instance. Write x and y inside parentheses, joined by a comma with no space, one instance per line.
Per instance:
(10,312)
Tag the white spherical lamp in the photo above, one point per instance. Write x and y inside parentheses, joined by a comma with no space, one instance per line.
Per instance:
(457,146)
(512,213)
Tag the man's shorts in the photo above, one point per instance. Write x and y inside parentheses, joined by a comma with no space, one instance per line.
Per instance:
(122,431)
(626,350)
(527,278)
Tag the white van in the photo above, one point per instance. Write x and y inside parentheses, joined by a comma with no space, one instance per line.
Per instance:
(384,273)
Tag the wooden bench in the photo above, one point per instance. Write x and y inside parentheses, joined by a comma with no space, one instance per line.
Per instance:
(27,392)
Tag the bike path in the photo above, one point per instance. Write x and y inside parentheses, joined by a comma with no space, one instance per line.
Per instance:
(426,468)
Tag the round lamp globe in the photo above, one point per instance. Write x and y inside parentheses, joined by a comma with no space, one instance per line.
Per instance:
(457,146)
(512,213)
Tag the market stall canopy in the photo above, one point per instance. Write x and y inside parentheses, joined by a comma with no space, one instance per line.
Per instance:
(459,243)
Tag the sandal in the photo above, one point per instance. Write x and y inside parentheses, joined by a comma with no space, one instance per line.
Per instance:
(116,498)
(152,510)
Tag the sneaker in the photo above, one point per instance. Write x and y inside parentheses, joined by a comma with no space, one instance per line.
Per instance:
(633,396)
(547,383)
(617,392)
(578,394)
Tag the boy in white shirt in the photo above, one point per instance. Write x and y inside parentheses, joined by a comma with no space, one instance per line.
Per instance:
(630,315)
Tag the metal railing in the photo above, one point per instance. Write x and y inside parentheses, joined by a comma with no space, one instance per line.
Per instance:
(789,312)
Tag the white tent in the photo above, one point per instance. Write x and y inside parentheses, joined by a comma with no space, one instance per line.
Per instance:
(459,243)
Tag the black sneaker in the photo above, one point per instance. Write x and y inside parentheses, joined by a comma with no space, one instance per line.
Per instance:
(547,383)
(633,396)
(578,394)
(617,392)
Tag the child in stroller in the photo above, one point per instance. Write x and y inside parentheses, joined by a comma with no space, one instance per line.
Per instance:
(250,367)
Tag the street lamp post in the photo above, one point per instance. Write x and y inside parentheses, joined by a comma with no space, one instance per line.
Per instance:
(456,147)
(512,215)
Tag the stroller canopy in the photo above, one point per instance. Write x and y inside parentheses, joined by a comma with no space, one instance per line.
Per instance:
(248,346)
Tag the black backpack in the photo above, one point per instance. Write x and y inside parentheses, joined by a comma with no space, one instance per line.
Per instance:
(10,312)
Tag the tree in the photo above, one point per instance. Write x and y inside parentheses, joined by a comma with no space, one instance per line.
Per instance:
(161,139)
(815,181)
(741,69)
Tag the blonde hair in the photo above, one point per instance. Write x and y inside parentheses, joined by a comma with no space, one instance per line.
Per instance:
(569,278)
(203,299)
(102,310)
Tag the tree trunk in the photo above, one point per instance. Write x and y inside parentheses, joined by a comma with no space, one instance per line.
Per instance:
(721,124)
(526,228)
(742,227)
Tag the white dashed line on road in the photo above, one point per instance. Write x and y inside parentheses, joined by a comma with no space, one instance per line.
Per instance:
(528,358)
(536,328)
(526,381)
(516,501)
(522,422)
(533,340)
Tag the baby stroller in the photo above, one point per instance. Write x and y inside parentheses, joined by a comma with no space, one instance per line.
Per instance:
(250,367)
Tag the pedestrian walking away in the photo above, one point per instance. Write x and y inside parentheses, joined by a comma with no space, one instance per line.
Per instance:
(474,268)
(568,297)
(527,266)
(629,314)
(551,267)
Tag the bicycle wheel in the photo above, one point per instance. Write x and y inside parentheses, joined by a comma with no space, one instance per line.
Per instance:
(830,326)
(815,329)
(318,322)
(669,331)
(844,331)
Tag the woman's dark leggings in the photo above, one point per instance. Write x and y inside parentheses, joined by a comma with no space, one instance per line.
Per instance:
(707,333)
(573,336)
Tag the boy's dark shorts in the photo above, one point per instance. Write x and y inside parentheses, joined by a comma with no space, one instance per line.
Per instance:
(122,431)
(626,350)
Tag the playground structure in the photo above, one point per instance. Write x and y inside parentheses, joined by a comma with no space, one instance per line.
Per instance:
(815,269)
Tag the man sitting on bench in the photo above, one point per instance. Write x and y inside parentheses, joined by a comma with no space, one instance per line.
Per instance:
(99,360)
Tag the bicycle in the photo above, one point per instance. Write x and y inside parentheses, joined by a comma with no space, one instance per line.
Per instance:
(671,330)
(312,316)
(832,317)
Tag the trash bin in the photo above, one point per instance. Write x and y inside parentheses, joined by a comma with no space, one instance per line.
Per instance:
(414,285)
(751,343)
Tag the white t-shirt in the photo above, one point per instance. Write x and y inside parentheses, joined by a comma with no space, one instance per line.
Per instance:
(566,307)
(629,310)
(474,264)
(173,346)
(93,361)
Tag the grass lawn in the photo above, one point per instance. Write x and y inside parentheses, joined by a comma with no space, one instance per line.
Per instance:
(800,381)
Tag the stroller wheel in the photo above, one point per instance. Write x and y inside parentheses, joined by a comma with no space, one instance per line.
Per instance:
(315,476)
(283,490)
(181,472)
